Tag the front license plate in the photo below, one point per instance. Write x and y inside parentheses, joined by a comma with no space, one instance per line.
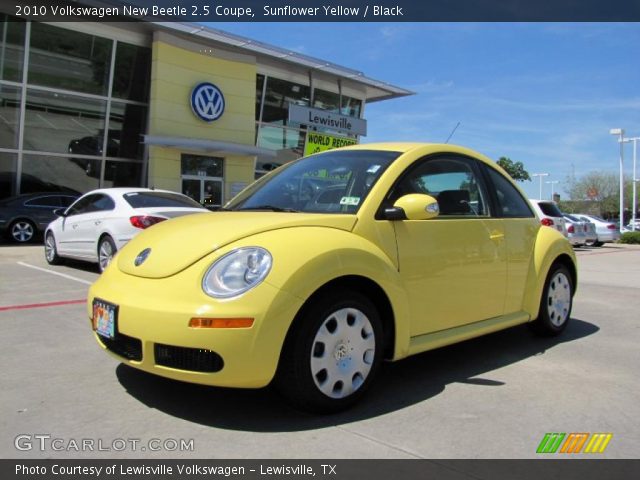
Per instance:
(105,315)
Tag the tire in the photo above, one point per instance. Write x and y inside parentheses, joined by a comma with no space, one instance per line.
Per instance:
(332,353)
(556,302)
(106,250)
(50,250)
(22,231)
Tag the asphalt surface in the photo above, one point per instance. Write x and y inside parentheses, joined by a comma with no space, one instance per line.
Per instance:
(492,397)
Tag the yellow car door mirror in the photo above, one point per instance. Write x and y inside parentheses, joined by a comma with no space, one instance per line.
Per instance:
(416,206)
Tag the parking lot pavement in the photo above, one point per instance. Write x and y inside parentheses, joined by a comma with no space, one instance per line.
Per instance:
(492,397)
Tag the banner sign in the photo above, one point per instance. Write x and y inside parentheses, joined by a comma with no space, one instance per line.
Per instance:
(320,142)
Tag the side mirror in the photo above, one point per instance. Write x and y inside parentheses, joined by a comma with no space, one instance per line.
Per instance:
(414,206)
(60,212)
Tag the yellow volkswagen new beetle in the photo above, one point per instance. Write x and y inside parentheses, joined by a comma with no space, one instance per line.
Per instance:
(318,271)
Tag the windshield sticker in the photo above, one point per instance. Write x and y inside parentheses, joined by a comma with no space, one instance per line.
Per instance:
(349,200)
(373,168)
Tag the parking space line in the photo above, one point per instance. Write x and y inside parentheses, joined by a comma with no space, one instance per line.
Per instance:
(63,275)
(41,305)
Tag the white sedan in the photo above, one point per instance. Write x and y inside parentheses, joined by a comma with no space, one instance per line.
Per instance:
(101,222)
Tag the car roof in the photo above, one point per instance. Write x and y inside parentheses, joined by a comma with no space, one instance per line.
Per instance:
(123,190)
(405,147)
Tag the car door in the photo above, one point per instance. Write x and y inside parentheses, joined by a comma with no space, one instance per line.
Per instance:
(69,236)
(89,225)
(520,227)
(454,266)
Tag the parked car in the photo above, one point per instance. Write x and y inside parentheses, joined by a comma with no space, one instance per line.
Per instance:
(24,216)
(606,232)
(426,245)
(550,215)
(102,221)
(575,232)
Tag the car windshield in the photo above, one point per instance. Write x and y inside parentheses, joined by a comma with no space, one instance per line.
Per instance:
(337,181)
(159,199)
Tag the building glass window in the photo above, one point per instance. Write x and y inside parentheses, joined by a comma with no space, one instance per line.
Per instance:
(287,142)
(12,35)
(326,100)
(122,174)
(63,123)
(351,106)
(43,173)
(201,166)
(9,116)
(132,72)
(61,58)
(259,88)
(278,96)
(8,166)
(127,124)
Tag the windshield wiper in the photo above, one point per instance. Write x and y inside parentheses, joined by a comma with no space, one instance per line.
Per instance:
(272,208)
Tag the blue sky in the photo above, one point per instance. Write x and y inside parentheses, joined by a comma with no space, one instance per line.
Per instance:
(545,94)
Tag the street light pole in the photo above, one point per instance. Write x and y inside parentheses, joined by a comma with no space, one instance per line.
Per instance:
(620,133)
(540,175)
(552,183)
(634,180)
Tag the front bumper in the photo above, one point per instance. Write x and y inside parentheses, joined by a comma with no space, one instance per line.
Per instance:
(153,333)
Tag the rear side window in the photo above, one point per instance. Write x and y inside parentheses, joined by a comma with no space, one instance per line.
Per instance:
(159,199)
(550,209)
(510,202)
(49,201)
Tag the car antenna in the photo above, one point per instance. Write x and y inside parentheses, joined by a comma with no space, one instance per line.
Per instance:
(452,132)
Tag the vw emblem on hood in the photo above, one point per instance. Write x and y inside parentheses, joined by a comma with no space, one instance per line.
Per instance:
(142,256)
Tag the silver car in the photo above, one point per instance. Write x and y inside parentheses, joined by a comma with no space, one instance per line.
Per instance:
(583,231)
(606,232)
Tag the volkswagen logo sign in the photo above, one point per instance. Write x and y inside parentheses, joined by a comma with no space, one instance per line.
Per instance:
(207,102)
(142,256)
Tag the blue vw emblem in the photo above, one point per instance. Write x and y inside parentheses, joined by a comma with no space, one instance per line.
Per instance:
(207,102)
(142,256)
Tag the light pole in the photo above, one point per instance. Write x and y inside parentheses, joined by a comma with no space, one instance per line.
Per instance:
(634,179)
(552,183)
(620,133)
(540,175)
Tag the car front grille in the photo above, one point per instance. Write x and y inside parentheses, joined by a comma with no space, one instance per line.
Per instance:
(191,359)
(124,346)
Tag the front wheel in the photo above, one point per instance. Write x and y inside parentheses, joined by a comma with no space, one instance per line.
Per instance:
(50,250)
(556,302)
(106,251)
(332,354)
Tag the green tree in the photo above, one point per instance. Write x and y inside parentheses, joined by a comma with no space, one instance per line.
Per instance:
(515,169)
(601,188)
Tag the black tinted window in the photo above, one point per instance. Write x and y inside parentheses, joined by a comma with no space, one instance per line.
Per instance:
(510,202)
(101,203)
(81,206)
(159,199)
(550,209)
(49,201)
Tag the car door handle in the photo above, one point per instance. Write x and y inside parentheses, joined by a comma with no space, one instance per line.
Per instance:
(75,225)
(496,236)
(97,222)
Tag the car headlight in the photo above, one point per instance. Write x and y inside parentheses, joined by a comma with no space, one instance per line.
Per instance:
(236,272)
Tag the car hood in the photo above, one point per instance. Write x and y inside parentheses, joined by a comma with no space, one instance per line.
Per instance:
(178,243)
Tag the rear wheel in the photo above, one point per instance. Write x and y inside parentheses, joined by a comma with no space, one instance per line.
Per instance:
(50,251)
(106,251)
(22,231)
(556,302)
(332,354)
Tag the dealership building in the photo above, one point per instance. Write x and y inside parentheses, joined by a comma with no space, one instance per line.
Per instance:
(165,105)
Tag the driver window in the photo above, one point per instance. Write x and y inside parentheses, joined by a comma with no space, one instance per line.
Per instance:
(81,206)
(454,183)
